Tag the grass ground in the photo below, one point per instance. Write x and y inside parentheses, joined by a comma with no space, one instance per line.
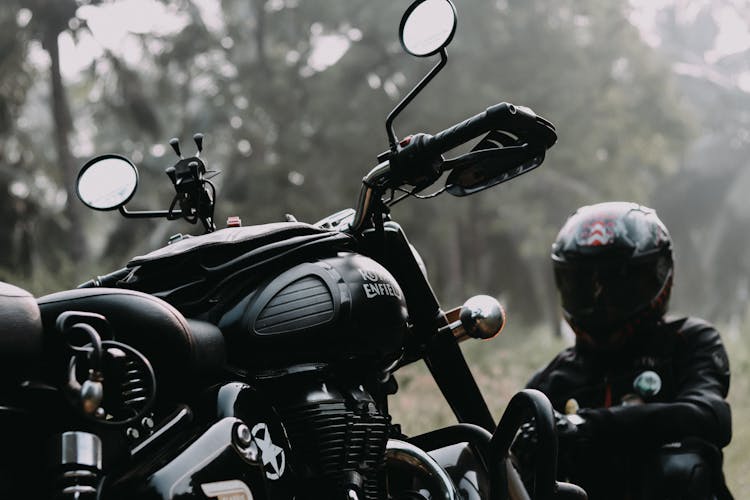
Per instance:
(502,366)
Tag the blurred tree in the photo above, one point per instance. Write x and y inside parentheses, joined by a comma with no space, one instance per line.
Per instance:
(15,80)
(31,200)
(704,205)
(49,19)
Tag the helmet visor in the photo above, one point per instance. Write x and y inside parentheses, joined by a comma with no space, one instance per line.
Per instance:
(605,294)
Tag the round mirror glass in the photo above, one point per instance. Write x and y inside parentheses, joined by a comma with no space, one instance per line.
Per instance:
(427,26)
(107,182)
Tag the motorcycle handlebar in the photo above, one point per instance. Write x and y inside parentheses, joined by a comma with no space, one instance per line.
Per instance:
(495,116)
(418,158)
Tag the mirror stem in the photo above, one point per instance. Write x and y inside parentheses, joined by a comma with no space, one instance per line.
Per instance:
(408,98)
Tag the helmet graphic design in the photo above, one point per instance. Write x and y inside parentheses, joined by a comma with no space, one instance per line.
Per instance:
(596,233)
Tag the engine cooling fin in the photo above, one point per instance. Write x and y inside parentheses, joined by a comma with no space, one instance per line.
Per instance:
(339,438)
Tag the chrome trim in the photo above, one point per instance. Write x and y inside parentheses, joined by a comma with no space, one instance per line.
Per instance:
(401,451)
(81,448)
(372,180)
(482,317)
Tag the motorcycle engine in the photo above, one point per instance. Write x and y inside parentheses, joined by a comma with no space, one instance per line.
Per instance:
(337,433)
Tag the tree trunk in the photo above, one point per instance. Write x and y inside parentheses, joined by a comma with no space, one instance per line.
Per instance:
(76,243)
(453,271)
(542,290)
(260,34)
(481,272)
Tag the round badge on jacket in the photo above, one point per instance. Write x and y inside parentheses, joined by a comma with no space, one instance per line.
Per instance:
(647,384)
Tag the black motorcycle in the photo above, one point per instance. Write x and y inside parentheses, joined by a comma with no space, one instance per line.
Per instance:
(256,362)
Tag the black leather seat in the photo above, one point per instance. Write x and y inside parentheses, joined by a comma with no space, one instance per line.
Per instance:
(20,333)
(180,350)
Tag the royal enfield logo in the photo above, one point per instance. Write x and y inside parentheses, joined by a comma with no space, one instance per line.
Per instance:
(227,490)
(596,233)
(274,461)
(369,275)
(379,285)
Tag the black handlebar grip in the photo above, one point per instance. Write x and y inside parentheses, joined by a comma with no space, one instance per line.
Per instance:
(517,119)
(470,128)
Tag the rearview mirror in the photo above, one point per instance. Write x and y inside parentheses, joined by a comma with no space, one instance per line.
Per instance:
(107,182)
(427,27)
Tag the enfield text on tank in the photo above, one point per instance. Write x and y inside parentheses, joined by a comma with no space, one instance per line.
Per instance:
(257,362)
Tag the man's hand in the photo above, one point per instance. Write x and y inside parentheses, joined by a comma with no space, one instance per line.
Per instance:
(568,429)
(572,435)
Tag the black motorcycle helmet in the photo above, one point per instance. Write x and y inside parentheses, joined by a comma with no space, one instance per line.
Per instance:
(613,268)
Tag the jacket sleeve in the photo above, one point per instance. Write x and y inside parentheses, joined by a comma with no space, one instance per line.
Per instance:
(541,379)
(699,408)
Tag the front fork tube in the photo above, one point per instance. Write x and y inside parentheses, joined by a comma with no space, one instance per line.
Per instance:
(448,367)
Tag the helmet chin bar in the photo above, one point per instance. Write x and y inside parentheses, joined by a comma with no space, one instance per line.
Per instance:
(616,336)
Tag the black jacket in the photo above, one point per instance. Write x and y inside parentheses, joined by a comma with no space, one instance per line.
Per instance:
(689,357)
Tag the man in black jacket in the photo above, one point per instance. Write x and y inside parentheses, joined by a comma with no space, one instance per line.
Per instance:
(643,394)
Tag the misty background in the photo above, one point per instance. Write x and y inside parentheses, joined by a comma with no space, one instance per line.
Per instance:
(651,100)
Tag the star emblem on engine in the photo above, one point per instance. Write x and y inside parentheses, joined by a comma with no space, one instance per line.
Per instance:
(274,460)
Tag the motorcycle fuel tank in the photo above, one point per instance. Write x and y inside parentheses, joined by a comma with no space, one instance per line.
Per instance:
(347,307)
